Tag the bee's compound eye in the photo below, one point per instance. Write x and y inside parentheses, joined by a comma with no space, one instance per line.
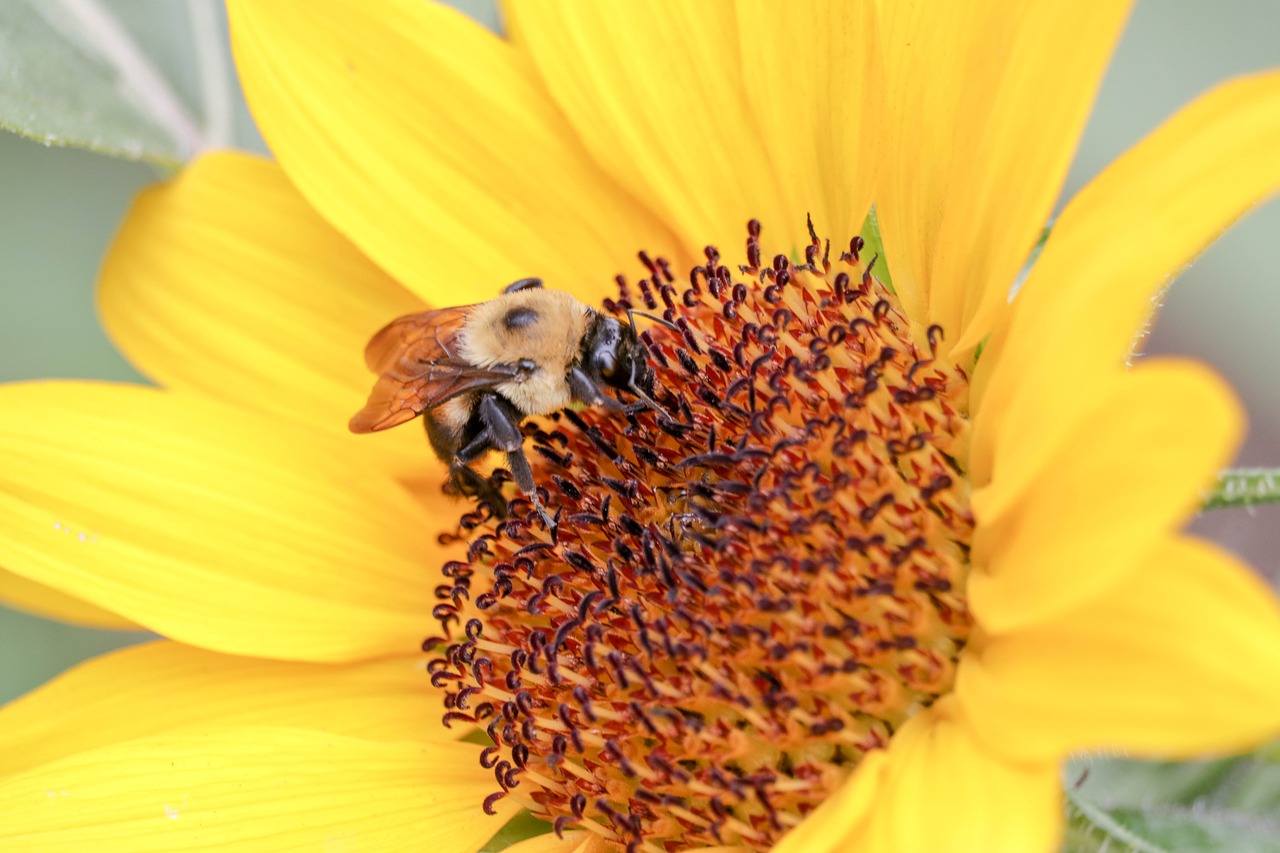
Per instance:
(607,363)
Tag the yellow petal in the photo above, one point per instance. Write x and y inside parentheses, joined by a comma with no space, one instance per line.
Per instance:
(1115,247)
(986,101)
(1118,482)
(21,593)
(427,140)
(572,842)
(829,827)
(253,789)
(1180,659)
(212,526)
(657,93)
(814,78)
(162,687)
(226,282)
(943,791)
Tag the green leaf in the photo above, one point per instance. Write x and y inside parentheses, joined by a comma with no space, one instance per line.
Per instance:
(1167,807)
(874,248)
(71,75)
(521,827)
(1032,257)
(1243,487)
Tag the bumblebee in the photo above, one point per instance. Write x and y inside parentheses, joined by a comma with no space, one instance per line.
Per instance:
(475,372)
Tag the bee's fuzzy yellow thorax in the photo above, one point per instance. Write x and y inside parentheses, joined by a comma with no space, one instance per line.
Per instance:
(551,339)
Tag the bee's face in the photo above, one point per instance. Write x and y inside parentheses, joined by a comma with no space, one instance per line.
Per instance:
(615,357)
(633,362)
(603,358)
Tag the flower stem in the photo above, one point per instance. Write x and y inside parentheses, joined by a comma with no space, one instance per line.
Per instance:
(1244,487)
(1092,828)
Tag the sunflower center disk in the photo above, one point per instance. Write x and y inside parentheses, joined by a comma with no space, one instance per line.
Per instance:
(748,592)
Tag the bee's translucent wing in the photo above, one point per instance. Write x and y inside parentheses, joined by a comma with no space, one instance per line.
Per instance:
(419,366)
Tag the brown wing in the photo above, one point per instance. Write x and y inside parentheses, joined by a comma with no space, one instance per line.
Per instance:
(420,368)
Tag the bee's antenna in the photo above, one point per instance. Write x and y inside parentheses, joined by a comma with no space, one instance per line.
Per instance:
(640,395)
(646,399)
(659,320)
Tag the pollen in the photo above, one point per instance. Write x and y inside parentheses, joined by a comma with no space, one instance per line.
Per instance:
(748,590)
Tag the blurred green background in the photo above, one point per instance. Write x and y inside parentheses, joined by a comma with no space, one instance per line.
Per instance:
(59,208)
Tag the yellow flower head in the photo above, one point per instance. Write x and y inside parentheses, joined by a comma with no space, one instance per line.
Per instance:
(881,558)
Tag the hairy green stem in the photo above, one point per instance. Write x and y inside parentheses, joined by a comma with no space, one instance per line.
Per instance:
(1244,487)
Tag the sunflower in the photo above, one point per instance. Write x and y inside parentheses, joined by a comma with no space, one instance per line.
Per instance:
(884,557)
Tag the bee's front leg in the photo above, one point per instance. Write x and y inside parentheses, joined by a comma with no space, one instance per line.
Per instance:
(502,427)
(584,390)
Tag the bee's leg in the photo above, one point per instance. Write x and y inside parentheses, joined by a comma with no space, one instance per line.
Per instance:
(502,426)
(523,284)
(471,483)
(586,391)
(519,465)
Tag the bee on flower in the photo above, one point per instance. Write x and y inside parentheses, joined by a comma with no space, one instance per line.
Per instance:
(878,547)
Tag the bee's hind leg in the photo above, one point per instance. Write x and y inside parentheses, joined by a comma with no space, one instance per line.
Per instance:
(472,484)
(502,428)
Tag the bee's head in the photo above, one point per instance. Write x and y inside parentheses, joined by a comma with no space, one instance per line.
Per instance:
(613,355)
